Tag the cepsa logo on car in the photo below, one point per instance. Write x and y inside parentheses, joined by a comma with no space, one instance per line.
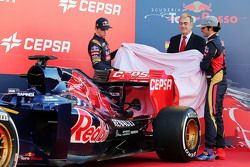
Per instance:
(130,74)
(91,6)
(161,84)
(36,44)
(85,131)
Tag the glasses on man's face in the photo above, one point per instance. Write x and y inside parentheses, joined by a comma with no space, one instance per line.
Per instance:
(203,28)
(184,23)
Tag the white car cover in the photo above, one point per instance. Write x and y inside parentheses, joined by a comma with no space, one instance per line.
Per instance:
(184,66)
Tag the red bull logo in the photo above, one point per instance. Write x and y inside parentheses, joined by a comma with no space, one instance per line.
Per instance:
(205,10)
(29,156)
(200,11)
(197,7)
(84,131)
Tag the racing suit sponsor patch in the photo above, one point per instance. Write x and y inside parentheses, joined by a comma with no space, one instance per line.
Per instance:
(95,53)
(96,59)
(206,50)
(95,49)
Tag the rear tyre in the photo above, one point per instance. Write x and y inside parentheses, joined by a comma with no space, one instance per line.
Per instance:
(9,144)
(177,134)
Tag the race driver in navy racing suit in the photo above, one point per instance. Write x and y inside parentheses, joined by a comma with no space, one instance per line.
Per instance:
(98,47)
(213,64)
(101,57)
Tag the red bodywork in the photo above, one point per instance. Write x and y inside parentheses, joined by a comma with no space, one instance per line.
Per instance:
(160,92)
(88,92)
(154,90)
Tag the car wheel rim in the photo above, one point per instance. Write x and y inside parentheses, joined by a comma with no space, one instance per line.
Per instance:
(5,146)
(191,134)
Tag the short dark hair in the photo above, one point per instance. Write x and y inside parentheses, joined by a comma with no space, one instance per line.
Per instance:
(215,29)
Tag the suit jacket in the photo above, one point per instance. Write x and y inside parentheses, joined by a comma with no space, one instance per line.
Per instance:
(194,42)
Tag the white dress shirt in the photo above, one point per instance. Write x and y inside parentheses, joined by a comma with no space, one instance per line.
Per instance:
(188,36)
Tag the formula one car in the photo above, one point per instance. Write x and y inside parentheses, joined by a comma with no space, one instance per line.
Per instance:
(66,117)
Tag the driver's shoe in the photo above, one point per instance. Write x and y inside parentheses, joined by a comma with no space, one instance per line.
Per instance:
(207,155)
(220,154)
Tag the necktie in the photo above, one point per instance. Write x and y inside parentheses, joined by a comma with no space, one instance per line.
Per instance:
(183,44)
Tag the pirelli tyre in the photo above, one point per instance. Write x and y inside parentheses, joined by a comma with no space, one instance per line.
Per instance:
(177,134)
(9,144)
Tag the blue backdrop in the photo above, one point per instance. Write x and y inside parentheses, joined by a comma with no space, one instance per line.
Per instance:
(157,21)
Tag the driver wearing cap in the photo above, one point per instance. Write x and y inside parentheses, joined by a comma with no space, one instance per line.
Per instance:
(213,64)
(98,47)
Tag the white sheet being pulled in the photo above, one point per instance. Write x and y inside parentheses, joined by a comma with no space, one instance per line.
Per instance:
(184,66)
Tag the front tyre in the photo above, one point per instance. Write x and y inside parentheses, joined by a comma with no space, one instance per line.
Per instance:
(177,134)
(9,144)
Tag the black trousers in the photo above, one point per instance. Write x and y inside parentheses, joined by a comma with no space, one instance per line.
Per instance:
(214,126)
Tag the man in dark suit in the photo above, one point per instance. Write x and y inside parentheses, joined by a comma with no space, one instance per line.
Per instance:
(187,40)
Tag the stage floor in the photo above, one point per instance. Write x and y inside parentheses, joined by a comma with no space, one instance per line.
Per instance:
(239,157)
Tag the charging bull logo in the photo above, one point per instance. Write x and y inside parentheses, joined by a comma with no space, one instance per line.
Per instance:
(197,7)
(85,131)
